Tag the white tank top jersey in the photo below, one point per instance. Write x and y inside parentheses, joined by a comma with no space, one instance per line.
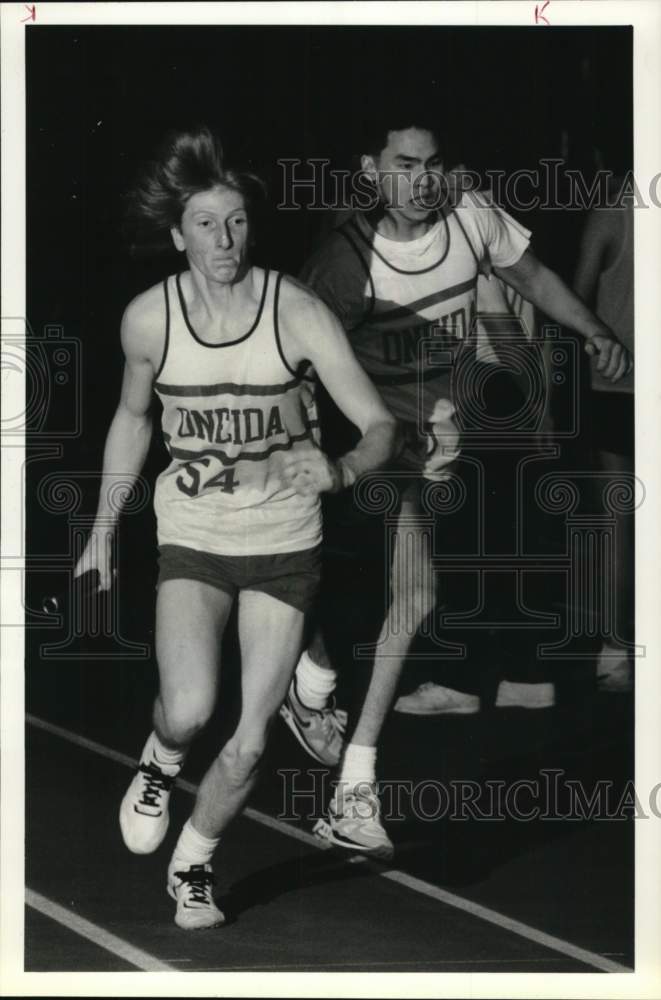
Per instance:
(614,303)
(231,411)
(409,307)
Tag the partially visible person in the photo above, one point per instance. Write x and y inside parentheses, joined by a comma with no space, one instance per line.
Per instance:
(605,280)
(229,349)
(405,271)
(504,324)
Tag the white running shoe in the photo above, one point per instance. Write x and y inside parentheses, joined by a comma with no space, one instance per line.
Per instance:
(319,731)
(512,694)
(614,670)
(192,888)
(143,814)
(434,699)
(354,822)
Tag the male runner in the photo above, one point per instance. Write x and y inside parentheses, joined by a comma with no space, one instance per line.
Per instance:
(405,271)
(228,348)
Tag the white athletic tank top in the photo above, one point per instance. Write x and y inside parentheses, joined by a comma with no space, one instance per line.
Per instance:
(231,412)
(408,303)
(614,303)
(409,307)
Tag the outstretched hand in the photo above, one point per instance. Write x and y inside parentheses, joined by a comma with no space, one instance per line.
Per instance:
(98,555)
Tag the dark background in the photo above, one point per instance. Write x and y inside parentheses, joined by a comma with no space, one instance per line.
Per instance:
(98,99)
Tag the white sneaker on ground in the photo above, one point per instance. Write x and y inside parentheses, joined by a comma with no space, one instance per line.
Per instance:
(143,814)
(614,670)
(319,731)
(354,822)
(512,694)
(434,699)
(192,888)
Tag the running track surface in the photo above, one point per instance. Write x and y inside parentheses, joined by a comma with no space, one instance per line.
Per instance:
(540,903)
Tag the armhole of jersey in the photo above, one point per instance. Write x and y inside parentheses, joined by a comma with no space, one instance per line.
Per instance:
(370,309)
(167,330)
(276,327)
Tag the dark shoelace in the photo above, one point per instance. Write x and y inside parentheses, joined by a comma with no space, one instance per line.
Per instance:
(200,882)
(331,717)
(156,784)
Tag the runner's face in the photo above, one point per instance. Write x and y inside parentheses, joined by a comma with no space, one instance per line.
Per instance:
(214,234)
(408,172)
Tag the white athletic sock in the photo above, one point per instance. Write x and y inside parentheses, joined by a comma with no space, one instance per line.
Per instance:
(359,765)
(192,848)
(169,761)
(314,685)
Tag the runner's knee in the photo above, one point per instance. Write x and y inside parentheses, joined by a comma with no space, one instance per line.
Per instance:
(185,715)
(240,757)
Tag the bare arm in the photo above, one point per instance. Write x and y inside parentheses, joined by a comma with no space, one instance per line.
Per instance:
(126,447)
(545,289)
(312,332)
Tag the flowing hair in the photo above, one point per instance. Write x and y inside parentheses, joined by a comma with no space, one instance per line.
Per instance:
(186,163)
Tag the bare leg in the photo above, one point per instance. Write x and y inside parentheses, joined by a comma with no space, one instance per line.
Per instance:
(354,813)
(190,620)
(317,651)
(413,597)
(270,633)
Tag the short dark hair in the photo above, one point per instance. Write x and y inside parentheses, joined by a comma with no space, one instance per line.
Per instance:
(186,163)
(374,129)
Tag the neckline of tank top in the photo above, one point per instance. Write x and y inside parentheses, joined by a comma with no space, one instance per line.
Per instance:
(406,250)
(225,343)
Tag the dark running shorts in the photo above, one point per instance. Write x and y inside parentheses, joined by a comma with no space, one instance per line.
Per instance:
(291,577)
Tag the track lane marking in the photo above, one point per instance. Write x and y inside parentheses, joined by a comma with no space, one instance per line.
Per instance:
(98,935)
(392,875)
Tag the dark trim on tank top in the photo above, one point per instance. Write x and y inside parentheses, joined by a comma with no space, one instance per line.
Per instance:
(399,312)
(298,375)
(370,309)
(167,330)
(227,343)
(231,388)
(400,270)
(187,455)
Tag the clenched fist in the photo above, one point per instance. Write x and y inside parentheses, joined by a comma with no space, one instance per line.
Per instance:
(310,472)
(613,359)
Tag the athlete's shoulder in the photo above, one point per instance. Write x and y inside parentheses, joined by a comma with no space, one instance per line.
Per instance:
(474,202)
(338,274)
(143,322)
(147,306)
(298,301)
(504,236)
(337,250)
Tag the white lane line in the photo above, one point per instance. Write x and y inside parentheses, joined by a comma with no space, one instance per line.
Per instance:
(187,786)
(101,937)
(393,875)
(507,923)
